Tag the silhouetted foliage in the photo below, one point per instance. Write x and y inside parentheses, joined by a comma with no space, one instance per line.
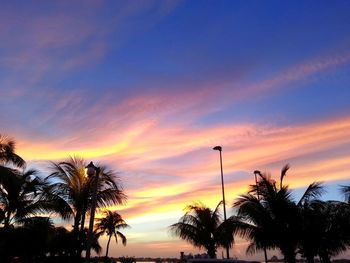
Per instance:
(110,224)
(27,243)
(20,195)
(273,220)
(69,185)
(204,228)
(325,230)
(7,153)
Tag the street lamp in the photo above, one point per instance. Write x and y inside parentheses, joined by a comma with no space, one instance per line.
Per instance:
(257,172)
(219,148)
(92,170)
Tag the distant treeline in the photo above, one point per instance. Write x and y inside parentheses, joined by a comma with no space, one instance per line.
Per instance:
(269,217)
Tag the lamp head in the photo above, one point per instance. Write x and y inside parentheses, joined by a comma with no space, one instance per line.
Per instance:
(257,172)
(90,169)
(217,148)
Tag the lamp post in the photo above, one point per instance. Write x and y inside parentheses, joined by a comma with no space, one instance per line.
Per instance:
(92,170)
(219,148)
(257,172)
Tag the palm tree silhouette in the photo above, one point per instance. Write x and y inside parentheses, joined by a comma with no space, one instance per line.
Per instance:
(68,185)
(9,160)
(273,220)
(326,229)
(204,228)
(110,224)
(20,195)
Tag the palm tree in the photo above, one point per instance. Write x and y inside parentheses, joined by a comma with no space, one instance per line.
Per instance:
(69,185)
(7,152)
(273,220)
(20,195)
(204,228)
(325,229)
(110,224)
(254,223)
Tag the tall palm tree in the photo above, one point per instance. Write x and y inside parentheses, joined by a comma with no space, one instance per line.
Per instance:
(204,228)
(7,152)
(69,185)
(273,220)
(110,224)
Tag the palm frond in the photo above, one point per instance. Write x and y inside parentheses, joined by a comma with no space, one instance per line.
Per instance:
(314,190)
(284,170)
(7,152)
(122,237)
(251,249)
(345,190)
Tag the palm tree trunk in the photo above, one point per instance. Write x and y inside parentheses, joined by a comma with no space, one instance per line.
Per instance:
(109,240)
(76,234)
(82,225)
(211,250)
(82,220)
(265,255)
(76,222)
(83,214)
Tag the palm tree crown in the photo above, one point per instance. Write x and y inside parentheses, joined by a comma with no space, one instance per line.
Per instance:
(110,224)
(69,182)
(7,152)
(204,228)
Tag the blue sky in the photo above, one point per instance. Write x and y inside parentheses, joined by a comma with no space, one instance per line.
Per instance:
(149,87)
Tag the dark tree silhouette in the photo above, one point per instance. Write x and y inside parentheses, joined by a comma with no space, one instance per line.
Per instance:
(20,195)
(28,242)
(110,224)
(204,228)
(7,152)
(69,185)
(325,230)
(273,220)
(62,244)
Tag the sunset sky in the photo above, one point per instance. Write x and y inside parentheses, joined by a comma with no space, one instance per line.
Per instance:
(149,87)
